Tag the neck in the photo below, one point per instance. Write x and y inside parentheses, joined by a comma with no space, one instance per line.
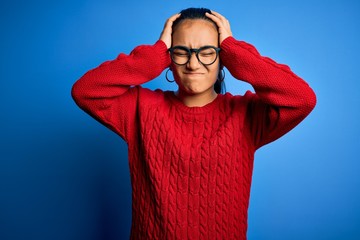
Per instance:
(196,100)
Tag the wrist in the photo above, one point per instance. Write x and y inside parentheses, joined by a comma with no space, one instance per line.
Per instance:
(163,52)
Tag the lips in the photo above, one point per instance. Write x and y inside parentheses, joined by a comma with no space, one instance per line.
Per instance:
(193,73)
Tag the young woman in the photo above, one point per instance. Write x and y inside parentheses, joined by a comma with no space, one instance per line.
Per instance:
(191,151)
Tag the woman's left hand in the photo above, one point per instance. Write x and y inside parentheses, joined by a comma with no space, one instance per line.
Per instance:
(222,23)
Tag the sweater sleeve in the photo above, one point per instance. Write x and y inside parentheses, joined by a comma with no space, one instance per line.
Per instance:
(107,92)
(281,100)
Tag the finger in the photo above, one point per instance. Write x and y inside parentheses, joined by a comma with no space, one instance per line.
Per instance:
(216,19)
(219,16)
(175,16)
(215,13)
(172,19)
(222,23)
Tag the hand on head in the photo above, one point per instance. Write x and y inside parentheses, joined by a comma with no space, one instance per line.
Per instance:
(167,31)
(222,23)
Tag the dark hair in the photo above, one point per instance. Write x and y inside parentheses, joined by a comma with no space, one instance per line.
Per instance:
(193,13)
(199,13)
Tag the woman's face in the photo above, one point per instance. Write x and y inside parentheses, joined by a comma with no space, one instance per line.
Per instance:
(194,77)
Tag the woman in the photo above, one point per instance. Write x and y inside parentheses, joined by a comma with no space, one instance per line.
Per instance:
(191,152)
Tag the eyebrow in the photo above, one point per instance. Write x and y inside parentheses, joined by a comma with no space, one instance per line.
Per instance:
(183,46)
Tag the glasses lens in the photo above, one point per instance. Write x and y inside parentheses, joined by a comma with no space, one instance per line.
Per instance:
(180,56)
(207,55)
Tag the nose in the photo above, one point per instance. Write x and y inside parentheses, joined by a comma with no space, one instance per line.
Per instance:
(193,62)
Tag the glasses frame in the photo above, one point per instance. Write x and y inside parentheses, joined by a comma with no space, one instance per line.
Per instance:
(194,50)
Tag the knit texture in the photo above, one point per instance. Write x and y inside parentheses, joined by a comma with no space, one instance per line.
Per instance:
(191,167)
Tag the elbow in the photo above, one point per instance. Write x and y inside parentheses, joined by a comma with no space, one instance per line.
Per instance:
(76,92)
(310,101)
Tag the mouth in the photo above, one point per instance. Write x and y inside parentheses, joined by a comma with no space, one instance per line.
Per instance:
(193,73)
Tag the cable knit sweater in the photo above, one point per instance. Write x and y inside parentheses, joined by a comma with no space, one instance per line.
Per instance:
(191,167)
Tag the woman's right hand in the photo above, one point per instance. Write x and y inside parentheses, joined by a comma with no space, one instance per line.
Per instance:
(167,31)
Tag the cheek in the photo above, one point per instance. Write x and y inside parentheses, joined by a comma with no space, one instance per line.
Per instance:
(175,70)
(214,71)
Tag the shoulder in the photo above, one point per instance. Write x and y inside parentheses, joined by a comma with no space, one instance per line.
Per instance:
(237,104)
(146,92)
(238,99)
(148,97)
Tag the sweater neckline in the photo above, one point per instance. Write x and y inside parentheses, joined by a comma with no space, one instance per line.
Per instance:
(194,110)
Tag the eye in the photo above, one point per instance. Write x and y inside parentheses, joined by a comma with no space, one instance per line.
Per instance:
(180,52)
(207,52)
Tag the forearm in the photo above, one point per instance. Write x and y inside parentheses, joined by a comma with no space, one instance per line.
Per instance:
(275,83)
(113,78)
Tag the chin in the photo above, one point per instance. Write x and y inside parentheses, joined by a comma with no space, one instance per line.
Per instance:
(195,91)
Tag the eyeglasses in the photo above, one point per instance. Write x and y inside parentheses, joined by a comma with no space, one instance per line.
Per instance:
(206,55)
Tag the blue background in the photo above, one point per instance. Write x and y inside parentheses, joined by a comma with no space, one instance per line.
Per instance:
(65,176)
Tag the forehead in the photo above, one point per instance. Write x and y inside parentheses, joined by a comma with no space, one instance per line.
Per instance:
(195,33)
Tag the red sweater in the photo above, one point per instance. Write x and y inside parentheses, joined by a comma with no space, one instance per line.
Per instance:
(191,167)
